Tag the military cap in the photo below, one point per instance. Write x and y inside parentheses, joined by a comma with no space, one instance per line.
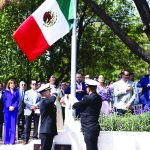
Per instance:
(44,87)
(91,82)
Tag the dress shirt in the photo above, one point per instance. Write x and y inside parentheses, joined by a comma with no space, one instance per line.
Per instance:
(34,94)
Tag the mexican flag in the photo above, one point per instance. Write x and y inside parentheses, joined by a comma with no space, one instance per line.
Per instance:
(50,22)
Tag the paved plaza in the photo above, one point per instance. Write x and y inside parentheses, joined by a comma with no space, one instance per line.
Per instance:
(19,145)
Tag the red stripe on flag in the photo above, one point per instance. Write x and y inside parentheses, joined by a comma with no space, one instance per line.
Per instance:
(30,39)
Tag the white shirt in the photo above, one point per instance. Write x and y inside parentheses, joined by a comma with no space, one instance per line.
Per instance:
(34,95)
(122,95)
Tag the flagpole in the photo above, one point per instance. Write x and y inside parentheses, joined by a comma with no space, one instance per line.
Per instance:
(74,53)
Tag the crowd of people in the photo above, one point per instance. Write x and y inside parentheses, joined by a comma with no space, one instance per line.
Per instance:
(20,107)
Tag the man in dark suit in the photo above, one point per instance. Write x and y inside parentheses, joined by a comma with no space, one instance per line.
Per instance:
(48,127)
(21,106)
(1,110)
(80,90)
(91,105)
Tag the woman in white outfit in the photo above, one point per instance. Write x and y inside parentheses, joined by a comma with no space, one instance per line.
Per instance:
(52,81)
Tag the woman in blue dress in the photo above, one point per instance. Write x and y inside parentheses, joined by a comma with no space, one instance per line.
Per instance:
(11,100)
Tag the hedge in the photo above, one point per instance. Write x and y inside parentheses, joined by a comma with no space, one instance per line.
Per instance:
(127,122)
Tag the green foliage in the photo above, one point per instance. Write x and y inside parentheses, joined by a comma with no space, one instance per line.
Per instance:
(126,123)
(14,64)
(100,51)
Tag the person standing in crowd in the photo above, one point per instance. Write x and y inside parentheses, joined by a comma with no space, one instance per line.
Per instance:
(1,110)
(11,101)
(80,90)
(48,127)
(105,93)
(21,118)
(136,90)
(87,77)
(123,92)
(62,96)
(144,83)
(52,81)
(91,105)
(32,103)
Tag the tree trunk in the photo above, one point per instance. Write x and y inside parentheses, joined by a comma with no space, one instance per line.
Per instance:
(144,11)
(134,47)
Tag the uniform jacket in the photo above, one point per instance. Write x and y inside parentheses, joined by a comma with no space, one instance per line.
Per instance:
(91,105)
(48,116)
(11,99)
(28,100)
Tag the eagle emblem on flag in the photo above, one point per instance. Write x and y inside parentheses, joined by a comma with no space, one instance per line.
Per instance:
(49,18)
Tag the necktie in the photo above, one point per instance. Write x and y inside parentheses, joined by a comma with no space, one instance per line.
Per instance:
(79,87)
(22,95)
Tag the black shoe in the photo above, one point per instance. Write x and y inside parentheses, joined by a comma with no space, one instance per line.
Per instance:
(25,142)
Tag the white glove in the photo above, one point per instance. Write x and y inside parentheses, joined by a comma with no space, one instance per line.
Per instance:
(54,91)
(11,108)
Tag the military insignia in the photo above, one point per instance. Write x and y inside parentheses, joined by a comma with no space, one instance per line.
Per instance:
(49,18)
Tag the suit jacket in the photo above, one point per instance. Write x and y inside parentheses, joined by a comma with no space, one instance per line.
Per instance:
(1,101)
(21,105)
(28,100)
(91,105)
(80,95)
(11,99)
(48,116)
(145,96)
(122,96)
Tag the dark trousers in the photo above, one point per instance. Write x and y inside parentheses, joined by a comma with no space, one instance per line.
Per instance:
(28,121)
(46,141)
(120,112)
(21,123)
(63,113)
(91,141)
(1,123)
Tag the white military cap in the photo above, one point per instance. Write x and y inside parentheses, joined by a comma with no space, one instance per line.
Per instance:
(91,82)
(44,87)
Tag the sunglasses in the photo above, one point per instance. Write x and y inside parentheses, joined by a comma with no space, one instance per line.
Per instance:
(34,83)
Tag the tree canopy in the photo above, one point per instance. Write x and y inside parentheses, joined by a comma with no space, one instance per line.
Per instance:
(110,38)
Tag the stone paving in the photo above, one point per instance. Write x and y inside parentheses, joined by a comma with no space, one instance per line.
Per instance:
(20,146)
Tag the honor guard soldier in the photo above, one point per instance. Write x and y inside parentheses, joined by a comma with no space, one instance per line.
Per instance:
(48,127)
(90,106)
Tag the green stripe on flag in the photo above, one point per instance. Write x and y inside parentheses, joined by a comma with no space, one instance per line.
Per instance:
(66,7)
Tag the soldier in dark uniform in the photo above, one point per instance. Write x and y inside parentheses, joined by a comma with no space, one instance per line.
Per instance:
(48,127)
(91,105)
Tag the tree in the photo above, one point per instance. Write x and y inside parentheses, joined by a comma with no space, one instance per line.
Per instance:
(99,51)
(134,47)
(144,11)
